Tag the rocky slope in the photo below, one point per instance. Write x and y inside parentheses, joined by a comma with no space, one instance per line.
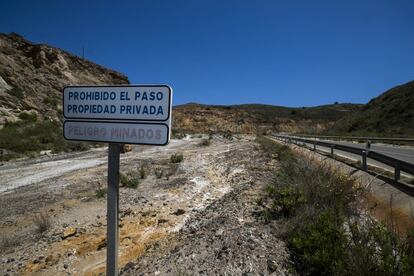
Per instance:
(258,118)
(32,77)
(390,114)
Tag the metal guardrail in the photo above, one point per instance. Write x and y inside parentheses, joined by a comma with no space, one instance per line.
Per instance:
(398,165)
(359,138)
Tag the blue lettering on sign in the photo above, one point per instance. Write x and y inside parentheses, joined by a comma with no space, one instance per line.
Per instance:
(124,96)
(141,109)
(152,96)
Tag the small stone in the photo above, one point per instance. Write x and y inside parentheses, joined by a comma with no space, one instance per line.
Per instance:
(65,266)
(179,212)
(10,260)
(128,266)
(271,266)
(69,232)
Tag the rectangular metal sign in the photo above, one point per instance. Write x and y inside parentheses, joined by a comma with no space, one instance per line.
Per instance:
(117,132)
(130,103)
(130,114)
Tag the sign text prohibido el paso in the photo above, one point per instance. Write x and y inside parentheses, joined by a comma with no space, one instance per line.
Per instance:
(133,114)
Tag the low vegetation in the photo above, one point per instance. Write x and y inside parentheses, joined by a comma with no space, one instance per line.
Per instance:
(128,180)
(100,192)
(142,172)
(42,223)
(8,242)
(319,213)
(159,172)
(16,92)
(176,134)
(29,136)
(205,143)
(176,158)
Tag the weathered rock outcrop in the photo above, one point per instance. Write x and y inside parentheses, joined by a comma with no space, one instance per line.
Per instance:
(32,76)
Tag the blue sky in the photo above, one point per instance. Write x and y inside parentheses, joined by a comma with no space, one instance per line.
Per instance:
(291,53)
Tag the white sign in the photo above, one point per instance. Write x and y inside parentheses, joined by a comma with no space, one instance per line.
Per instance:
(133,114)
(117,132)
(130,103)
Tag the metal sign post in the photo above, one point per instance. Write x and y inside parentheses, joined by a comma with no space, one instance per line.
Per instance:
(118,114)
(112,234)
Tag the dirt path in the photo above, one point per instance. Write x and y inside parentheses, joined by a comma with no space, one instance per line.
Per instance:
(214,186)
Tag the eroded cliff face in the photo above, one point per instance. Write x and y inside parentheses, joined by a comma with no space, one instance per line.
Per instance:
(32,77)
(236,119)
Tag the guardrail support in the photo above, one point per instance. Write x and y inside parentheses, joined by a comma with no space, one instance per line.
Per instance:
(364,161)
(332,151)
(314,146)
(397,173)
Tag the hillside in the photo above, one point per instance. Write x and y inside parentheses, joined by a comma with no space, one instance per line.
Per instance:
(32,77)
(254,118)
(390,114)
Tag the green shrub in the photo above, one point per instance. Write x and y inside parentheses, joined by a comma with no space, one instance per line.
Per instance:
(16,92)
(128,180)
(28,116)
(51,101)
(319,248)
(100,192)
(286,200)
(318,204)
(29,136)
(176,158)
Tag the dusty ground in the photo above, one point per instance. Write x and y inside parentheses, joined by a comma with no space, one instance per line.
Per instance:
(199,217)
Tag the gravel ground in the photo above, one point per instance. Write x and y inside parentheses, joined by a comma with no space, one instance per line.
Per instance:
(199,217)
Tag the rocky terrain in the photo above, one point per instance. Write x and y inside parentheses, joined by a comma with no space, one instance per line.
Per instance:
(32,77)
(198,216)
(258,118)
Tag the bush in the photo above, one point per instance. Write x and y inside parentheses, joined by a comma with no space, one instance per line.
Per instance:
(324,235)
(228,135)
(30,136)
(286,200)
(100,192)
(176,158)
(128,180)
(205,143)
(28,116)
(158,173)
(51,101)
(142,172)
(16,92)
(42,223)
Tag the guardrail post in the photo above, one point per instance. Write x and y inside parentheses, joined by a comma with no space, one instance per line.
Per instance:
(314,146)
(397,173)
(364,160)
(332,151)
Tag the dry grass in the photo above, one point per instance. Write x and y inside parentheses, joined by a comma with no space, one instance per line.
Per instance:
(42,223)
(319,212)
